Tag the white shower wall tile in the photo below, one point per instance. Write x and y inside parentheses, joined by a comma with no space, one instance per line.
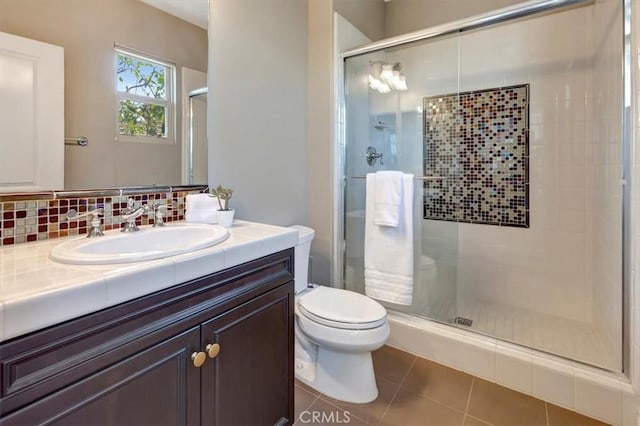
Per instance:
(631,394)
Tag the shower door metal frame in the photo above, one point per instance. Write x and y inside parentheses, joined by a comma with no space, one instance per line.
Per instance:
(626,149)
(509,13)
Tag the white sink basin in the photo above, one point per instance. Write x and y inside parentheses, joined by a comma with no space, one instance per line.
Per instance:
(147,244)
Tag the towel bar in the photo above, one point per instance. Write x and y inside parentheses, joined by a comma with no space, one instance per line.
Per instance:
(415,177)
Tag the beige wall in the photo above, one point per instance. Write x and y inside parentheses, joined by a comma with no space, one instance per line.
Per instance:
(87,30)
(366,15)
(403,16)
(258,107)
(321,137)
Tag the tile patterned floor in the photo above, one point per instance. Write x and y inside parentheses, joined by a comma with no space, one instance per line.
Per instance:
(415,391)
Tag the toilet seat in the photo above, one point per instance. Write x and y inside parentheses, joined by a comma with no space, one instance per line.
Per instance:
(341,309)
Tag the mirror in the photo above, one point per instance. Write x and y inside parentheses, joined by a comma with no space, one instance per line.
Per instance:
(89,31)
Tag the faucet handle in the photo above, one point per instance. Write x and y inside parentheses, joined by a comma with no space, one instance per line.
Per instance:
(166,207)
(73,214)
(158,214)
(96,229)
(131,205)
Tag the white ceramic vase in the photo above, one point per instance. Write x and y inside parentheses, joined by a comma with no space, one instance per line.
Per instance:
(225,217)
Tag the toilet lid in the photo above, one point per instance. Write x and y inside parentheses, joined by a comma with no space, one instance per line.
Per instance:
(342,309)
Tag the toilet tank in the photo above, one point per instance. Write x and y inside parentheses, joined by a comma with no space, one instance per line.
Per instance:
(305,235)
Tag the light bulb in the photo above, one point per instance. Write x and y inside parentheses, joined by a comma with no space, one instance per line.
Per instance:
(375,68)
(384,88)
(387,72)
(401,85)
(372,82)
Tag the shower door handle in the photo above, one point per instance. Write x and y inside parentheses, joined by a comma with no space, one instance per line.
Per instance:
(372,155)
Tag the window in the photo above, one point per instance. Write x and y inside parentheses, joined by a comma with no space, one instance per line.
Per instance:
(145,98)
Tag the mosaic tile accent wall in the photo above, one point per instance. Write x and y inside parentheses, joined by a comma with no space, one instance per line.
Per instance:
(34,220)
(479,143)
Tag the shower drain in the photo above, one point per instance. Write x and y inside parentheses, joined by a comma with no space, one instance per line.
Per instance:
(463,321)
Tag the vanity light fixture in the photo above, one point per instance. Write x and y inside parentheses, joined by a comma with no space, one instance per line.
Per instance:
(384,77)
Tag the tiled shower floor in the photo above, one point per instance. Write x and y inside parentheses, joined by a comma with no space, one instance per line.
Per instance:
(417,392)
(571,339)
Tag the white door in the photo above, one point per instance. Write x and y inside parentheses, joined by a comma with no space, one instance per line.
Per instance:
(31,115)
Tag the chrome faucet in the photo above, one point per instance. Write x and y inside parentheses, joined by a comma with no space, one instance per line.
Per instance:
(158,219)
(131,213)
(96,227)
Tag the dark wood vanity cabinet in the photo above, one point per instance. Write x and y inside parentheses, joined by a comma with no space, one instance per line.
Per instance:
(214,351)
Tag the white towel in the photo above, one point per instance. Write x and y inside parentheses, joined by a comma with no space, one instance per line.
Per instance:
(201,208)
(388,198)
(201,201)
(388,251)
(201,216)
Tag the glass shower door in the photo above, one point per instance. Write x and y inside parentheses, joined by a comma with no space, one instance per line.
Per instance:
(521,239)
(391,125)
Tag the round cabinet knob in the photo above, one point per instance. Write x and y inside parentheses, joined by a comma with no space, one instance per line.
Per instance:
(213,349)
(198,359)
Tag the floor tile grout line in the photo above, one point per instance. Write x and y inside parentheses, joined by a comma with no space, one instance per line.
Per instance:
(307,409)
(428,398)
(478,419)
(466,408)
(464,413)
(415,358)
(311,405)
(340,408)
(435,401)
(316,397)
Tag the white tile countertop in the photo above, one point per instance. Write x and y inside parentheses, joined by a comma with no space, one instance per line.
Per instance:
(36,292)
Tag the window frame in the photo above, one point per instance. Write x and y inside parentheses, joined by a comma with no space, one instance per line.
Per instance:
(169,103)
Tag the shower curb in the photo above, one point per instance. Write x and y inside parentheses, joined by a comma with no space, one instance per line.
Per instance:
(600,394)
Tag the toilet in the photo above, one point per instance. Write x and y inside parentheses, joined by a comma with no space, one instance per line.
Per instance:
(335,332)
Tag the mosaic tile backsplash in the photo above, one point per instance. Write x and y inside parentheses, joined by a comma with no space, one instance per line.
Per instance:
(479,143)
(33,220)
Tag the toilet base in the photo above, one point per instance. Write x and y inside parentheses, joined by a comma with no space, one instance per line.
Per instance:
(345,376)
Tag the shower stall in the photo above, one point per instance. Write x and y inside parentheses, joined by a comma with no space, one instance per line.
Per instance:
(512,124)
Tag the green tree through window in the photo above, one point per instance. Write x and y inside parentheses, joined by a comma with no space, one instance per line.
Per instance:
(143,96)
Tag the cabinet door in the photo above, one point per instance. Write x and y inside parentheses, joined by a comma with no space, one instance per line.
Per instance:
(156,386)
(250,381)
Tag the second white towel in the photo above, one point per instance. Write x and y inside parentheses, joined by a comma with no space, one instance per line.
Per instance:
(201,208)
(201,216)
(388,251)
(388,196)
